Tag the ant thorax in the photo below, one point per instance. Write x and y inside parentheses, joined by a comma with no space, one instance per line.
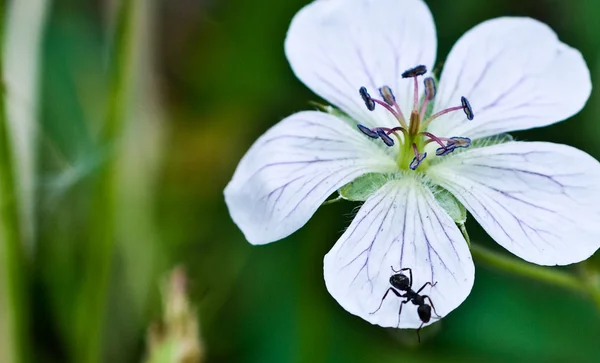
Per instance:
(416,299)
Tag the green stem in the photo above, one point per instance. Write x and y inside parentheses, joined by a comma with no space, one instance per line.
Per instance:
(464,232)
(583,284)
(334,200)
(525,269)
(594,292)
(591,277)
(12,256)
(92,312)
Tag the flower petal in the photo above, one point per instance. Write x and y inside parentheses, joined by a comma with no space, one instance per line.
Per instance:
(540,201)
(337,46)
(293,168)
(401,226)
(516,74)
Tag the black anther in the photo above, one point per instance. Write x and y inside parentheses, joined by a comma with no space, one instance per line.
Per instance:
(417,160)
(385,137)
(467,108)
(367,98)
(367,131)
(414,72)
(430,89)
(387,95)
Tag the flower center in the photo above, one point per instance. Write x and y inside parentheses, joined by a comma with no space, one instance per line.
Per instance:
(412,136)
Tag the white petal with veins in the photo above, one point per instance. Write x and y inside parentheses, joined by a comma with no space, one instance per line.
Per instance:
(517,75)
(337,46)
(400,226)
(540,201)
(293,168)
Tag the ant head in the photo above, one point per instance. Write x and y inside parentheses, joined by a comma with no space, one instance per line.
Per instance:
(424,312)
(400,281)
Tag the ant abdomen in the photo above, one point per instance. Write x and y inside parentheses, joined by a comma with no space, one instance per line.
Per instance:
(424,312)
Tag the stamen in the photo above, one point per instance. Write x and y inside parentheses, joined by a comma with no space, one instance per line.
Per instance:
(418,159)
(383,133)
(461,142)
(434,138)
(367,131)
(387,95)
(415,129)
(385,138)
(467,108)
(369,102)
(445,150)
(394,130)
(453,143)
(430,89)
(443,112)
(415,72)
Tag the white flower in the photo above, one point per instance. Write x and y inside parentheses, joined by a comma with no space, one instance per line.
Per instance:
(540,201)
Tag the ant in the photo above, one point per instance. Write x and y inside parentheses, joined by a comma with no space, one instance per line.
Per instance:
(400,281)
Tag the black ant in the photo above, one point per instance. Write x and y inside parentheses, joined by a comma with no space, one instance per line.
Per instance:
(402,282)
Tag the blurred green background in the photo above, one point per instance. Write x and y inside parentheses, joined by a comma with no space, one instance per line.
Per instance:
(123,147)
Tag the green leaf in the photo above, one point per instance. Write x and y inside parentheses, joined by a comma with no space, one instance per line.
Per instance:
(361,188)
(451,205)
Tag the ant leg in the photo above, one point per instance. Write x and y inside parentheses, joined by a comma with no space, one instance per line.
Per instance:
(383,298)
(400,311)
(418,330)
(425,284)
(433,306)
